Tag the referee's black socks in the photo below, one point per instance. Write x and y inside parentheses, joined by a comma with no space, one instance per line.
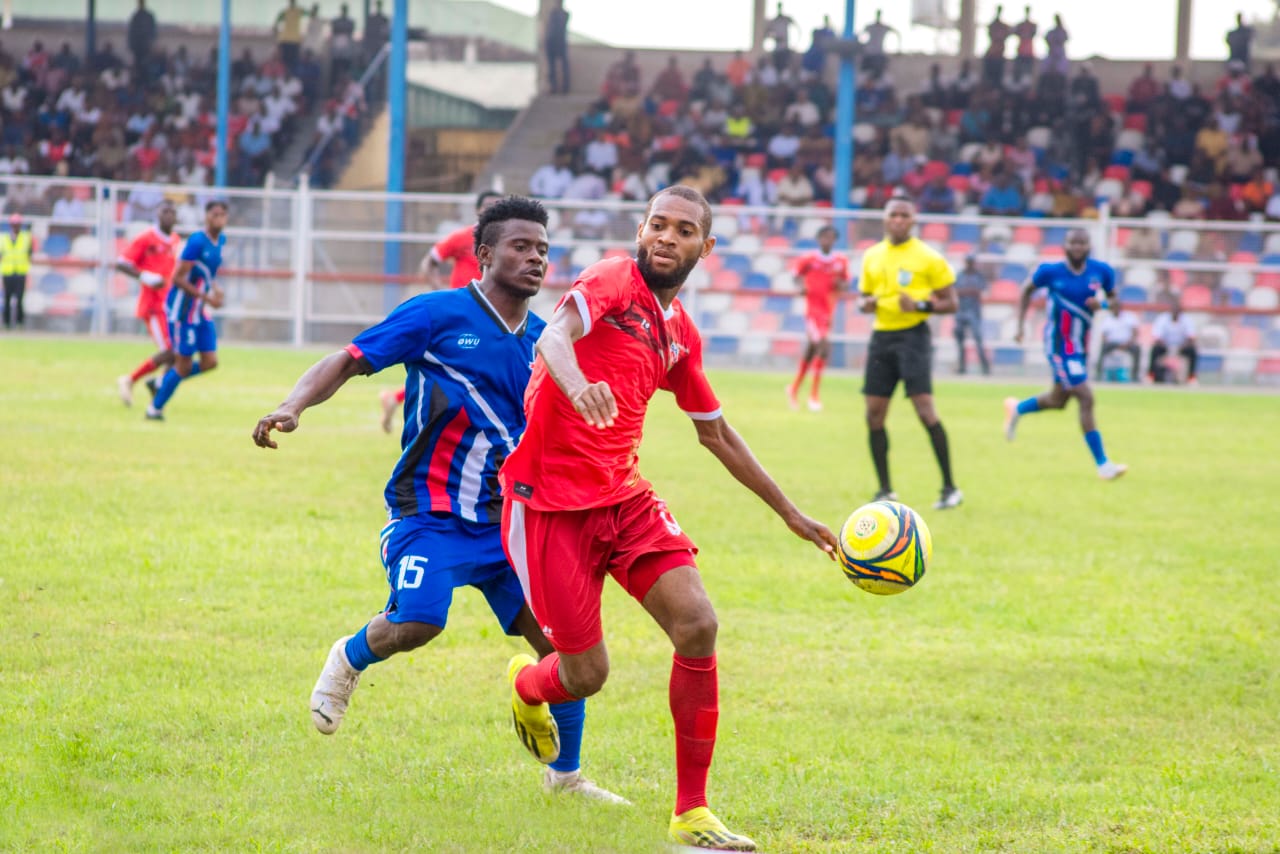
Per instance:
(880,455)
(938,437)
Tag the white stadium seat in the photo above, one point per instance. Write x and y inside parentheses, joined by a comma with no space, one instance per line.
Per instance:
(864,133)
(746,243)
(1039,137)
(724,226)
(1141,276)
(716,303)
(1178,173)
(1184,240)
(584,256)
(769,263)
(810,227)
(83,284)
(1262,298)
(1213,337)
(997,232)
(1272,246)
(756,344)
(1241,280)
(85,246)
(1129,139)
(783,281)
(698,279)
(734,323)
(1022,253)
(1108,188)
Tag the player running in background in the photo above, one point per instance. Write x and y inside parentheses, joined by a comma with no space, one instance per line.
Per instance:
(577,508)
(822,274)
(150,259)
(904,280)
(458,248)
(195,286)
(1077,287)
(467,353)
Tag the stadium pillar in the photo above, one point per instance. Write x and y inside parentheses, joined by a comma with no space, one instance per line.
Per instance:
(846,114)
(224,94)
(90,33)
(1184,31)
(397,104)
(757,25)
(968,28)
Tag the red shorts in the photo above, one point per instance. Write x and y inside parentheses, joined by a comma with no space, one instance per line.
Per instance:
(151,311)
(562,556)
(817,326)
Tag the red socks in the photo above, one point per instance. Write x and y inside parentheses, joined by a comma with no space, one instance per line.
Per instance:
(142,370)
(541,683)
(695,709)
(818,365)
(400,395)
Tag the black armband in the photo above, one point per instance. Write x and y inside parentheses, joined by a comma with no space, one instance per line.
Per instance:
(924,305)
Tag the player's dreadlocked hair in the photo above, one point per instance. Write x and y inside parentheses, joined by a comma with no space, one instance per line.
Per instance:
(489,229)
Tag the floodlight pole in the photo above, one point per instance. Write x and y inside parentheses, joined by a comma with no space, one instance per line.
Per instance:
(846,114)
(397,103)
(224,95)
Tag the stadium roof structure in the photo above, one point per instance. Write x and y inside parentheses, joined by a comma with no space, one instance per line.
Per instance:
(478,18)
(492,85)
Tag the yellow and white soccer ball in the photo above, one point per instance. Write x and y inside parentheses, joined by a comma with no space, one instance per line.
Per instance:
(885,547)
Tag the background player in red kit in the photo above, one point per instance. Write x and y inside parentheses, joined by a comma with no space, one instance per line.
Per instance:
(823,274)
(457,248)
(577,508)
(150,258)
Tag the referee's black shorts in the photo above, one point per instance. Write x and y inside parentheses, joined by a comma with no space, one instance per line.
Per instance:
(900,354)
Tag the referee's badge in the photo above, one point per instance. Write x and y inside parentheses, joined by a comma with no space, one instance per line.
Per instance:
(904,277)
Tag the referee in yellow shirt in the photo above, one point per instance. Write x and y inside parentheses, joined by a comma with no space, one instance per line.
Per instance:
(904,281)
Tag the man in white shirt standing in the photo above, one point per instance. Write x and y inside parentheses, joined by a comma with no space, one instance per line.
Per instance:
(1119,335)
(1174,333)
(552,179)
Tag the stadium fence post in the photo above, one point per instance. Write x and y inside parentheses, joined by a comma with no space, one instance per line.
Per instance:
(299,300)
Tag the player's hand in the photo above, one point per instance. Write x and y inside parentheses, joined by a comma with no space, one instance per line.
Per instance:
(215,298)
(1017,336)
(867,304)
(814,531)
(285,422)
(596,405)
(1093,303)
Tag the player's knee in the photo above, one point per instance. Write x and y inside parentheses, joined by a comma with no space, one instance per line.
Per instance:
(695,633)
(208,363)
(584,677)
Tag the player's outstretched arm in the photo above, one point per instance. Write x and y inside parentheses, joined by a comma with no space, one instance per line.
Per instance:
(1024,303)
(317,385)
(734,454)
(594,401)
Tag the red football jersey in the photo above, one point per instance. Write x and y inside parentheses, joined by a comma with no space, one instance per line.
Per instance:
(155,255)
(562,463)
(823,276)
(459,248)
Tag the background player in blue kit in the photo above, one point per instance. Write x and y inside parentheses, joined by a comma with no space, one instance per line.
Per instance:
(1077,287)
(468,354)
(195,286)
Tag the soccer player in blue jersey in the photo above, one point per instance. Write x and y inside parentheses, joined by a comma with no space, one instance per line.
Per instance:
(468,354)
(1077,287)
(194,291)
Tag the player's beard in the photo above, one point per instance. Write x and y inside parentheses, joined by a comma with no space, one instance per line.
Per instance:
(662,281)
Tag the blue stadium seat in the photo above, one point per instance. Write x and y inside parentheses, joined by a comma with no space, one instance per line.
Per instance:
(806,243)
(777,304)
(1272,260)
(793,323)
(558,255)
(1175,255)
(1209,363)
(1014,272)
(1010,356)
(966,232)
(707,320)
(1257,321)
(1133,293)
(57,245)
(722,345)
(1250,241)
(737,263)
(1235,297)
(52,283)
(1272,341)
(962,169)
(1122,158)
(1054,235)
(756,281)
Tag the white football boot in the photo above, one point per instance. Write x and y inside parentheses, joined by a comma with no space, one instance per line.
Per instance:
(333,689)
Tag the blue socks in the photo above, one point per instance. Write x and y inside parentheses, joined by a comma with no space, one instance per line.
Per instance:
(169,385)
(1028,406)
(1094,440)
(360,656)
(570,718)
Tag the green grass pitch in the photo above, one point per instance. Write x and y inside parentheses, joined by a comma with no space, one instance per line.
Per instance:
(1087,666)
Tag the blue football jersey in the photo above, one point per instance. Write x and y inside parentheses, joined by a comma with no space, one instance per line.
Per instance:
(1067,319)
(464,399)
(205,255)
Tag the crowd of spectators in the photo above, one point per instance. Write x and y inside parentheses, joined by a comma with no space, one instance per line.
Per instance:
(1014,134)
(151,116)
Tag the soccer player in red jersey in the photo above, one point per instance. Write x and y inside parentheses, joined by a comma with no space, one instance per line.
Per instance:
(151,258)
(822,274)
(576,508)
(458,247)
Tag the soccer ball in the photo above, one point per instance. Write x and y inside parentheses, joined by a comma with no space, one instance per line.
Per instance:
(885,547)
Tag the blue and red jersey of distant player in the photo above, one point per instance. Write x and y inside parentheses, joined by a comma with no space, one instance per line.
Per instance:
(1067,318)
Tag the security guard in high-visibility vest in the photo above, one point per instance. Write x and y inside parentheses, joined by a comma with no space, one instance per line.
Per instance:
(16,247)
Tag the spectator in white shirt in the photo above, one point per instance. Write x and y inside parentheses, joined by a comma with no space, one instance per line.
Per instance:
(1174,333)
(1120,334)
(68,209)
(552,179)
(1179,86)
(803,112)
(72,99)
(784,145)
(601,154)
(14,96)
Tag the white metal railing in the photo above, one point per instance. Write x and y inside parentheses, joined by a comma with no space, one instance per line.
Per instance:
(305,265)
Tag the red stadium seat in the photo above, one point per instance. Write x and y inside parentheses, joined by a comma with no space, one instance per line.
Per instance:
(959,248)
(713,263)
(726,280)
(776,241)
(1005,290)
(1028,234)
(749,303)
(766,321)
(1054,252)
(1196,296)
(1242,257)
(959,183)
(1136,121)
(1115,103)
(1246,337)
(953,118)
(1141,189)
(1267,280)
(1122,237)
(786,347)
(935,232)
(1116,171)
